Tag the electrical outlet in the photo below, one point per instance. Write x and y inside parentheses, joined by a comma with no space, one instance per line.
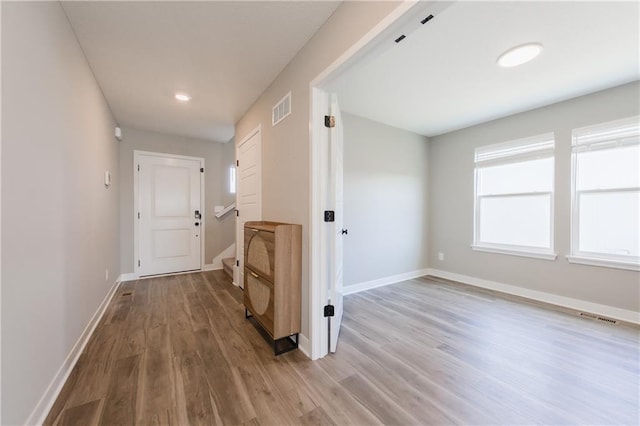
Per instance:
(440,256)
(106,274)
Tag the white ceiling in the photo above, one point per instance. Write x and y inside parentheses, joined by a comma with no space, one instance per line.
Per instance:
(223,54)
(444,76)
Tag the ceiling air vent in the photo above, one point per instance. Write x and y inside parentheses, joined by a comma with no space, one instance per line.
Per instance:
(281,110)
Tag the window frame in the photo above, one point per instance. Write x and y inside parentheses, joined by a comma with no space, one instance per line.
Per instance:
(576,255)
(233,188)
(548,152)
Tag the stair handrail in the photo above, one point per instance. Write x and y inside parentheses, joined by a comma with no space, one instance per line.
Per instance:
(226,210)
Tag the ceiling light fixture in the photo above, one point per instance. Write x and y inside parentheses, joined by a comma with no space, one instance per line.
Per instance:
(519,55)
(182,97)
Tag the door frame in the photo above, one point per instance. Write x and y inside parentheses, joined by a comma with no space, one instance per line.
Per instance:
(400,21)
(256,131)
(136,207)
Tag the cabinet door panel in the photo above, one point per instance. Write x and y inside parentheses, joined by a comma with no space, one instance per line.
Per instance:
(258,298)
(259,252)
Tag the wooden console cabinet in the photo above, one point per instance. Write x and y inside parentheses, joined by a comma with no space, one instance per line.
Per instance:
(272,279)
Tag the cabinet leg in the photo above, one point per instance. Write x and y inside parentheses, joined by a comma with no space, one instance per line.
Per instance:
(290,343)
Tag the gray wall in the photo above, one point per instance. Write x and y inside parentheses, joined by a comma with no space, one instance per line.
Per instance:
(451,202)
(385,200)
(285,147)
(59,222)
(218,157)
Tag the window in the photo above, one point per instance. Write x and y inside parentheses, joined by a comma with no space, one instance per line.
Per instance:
(514,197)
(232,180)
(606,194)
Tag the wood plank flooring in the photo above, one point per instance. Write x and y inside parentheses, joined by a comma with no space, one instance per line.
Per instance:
(178,350)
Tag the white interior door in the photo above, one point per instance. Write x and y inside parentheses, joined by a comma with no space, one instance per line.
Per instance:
(337,227)
(169,214)
(249,197)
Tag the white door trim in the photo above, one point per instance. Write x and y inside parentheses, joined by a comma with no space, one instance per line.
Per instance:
(136,207)
(318,242)
(318,258)
(256,131)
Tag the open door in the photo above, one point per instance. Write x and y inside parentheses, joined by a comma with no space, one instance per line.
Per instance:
(336,228)
(248,193)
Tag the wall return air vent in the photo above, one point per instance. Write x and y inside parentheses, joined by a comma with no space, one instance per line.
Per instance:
(281,110)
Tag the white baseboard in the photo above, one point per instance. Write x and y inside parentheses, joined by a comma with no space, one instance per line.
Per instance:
(304,345)
(41,410)
(368,285)
(211,267)
(228,252)
(553,299)
(131,276)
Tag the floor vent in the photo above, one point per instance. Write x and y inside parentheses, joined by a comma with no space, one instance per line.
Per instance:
(598,318)
(281,110)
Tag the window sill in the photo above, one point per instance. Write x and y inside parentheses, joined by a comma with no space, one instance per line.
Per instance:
(521,253)
(605,263)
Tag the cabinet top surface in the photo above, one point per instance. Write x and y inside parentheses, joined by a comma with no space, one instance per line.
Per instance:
(266,225)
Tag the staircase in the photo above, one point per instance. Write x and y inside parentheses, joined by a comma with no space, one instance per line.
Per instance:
(227,266)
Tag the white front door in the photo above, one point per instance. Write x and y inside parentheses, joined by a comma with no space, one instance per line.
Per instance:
(169,213)
(249,193)
(336,230)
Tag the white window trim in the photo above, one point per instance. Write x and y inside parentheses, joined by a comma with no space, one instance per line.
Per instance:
(603,262)
(522,251)
(588,258)
(516,251)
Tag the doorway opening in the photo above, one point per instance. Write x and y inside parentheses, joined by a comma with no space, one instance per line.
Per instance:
(325,295)
(168,213)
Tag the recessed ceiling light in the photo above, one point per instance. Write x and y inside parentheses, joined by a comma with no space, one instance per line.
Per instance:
(519,55)
(183,97)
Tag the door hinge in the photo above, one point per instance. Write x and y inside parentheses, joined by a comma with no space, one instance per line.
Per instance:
(329,311)
(237,262)
(427,19)
(201,169)
(329,121)
(329,216)
(237,212)
(138,263)
(237,163)
(138,167)
(138,215)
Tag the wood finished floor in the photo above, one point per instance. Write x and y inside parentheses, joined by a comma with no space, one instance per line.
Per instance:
(178,350)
